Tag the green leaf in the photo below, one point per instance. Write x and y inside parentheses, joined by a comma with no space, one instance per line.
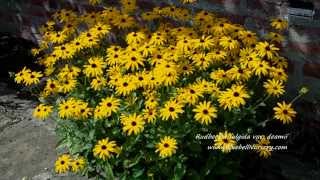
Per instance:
(108,171)
(138,173)
(179,171)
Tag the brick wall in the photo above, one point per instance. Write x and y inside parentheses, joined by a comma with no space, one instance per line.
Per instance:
(303,37)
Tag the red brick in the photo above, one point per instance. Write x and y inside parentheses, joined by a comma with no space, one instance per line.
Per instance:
(311,69)
(308,48)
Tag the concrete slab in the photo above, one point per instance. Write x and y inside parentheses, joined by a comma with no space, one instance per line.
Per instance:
(27,146)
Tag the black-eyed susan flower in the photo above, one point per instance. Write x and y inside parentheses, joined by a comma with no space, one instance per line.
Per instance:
(42,111)
(78,164)
(132,124)
(62,164)
(188,1)
(284,112)
(205,112)
(225,141)
(67,85)
(28,77)
(98,83)
(248,37)
(94,67)
(105,149)
(233,97)
(259,67)
(274,37)
(278,74)
(217,55)
(220,76)
(135,37)
(191,94)
(124,21)
(65,109)
(166,147)
(171,110)
(132,61)
(205,42)
(279,24)
(150,115)
(125,85)
(274,87)
(263,148)
(228,43)
(201,60)
(110,105)
(20,76)
(264,49)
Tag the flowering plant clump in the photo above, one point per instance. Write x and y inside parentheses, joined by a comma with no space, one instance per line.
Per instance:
(129,90)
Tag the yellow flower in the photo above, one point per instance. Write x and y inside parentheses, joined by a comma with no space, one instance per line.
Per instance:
(20,76)
(62,164)
(264,49)
(201,60)
(132,124)
(67,85)
(124,21)
(191,95)
(228,43)
(135,37)
(167,147)
(98,83)
(279,24)
(150,115)
(233,97)
(31,78)
(259,67)
(110,105)
(105,149)
(248,37)
(205,42)
(274,37)
(262,147)
(125,85)
(284,112)
(132,61)
(95,67)
(65,109)
(217,55)
(220,76)
(188,1)
(274,87)
(225,141)
(78,164)
(171,110)
(100,29)
(205,113)
(42,111)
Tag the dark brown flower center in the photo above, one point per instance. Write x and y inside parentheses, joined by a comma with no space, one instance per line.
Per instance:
(236,94)
(171,109)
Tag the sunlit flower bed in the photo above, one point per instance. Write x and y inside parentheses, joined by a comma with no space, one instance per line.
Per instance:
(129,90)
